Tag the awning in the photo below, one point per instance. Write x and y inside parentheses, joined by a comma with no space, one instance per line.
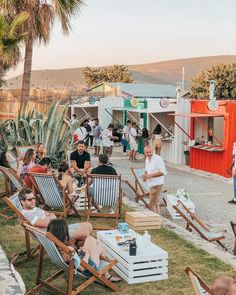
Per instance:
(128,110)
(196,115)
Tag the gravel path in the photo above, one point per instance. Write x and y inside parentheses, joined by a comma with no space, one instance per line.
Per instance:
(210,193)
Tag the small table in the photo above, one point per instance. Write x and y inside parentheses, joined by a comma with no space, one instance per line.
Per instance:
(172,200)
(148,265)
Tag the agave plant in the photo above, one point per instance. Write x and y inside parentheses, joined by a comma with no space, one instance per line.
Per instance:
(31,127)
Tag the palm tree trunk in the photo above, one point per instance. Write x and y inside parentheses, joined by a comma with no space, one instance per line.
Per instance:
(25,92)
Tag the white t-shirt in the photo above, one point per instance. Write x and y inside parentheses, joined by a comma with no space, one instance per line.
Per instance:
(92,125)
(106,135)
(81,132)
(133,135)
(153,165)
(126,132)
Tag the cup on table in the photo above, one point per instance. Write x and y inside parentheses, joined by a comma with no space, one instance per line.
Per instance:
(118,238)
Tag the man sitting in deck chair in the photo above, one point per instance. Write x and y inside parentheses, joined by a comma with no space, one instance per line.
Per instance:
(40,218)
(103,169)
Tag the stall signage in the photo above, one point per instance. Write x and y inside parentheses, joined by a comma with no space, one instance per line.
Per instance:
(164,103)
(92,100)
(135,103)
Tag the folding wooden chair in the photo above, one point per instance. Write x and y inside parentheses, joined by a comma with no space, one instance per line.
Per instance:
(21,150)
(141,188)
(50,244)
(194,222)
(12,184)
(233,225)
(105,192)
(53,194)
(199,286)
(14,204)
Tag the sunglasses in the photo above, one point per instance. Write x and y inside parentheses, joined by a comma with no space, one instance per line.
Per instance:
(30,199)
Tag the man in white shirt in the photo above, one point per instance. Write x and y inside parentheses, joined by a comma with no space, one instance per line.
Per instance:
(74,119)
(154,175)
(107,139)
(133,141)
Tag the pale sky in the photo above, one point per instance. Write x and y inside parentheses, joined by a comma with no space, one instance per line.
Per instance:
(137,31)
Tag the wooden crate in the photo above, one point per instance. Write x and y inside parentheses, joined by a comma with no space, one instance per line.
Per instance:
(143,220)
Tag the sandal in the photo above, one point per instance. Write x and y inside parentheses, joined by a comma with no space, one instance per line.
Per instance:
(114,279)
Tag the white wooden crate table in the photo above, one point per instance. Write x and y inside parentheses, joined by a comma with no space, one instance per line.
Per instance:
(149,264)
(172,200)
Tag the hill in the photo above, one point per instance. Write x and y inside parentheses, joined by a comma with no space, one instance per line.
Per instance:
(164,72)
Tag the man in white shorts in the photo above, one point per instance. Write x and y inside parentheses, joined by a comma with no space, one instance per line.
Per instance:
(40,218)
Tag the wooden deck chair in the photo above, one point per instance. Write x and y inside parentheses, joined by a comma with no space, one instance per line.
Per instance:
(21,150)
(14,204)
(12,184)
(141,188)
(233,225)
(53,194)
(105,191)
(199,286)
(193,222)
(12,161)
(50,244)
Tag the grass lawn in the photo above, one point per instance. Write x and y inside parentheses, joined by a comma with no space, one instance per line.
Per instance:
(181,255)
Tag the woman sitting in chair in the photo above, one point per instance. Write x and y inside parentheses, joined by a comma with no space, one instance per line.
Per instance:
(90,252)
(65,178)
(28,162)
(40,152)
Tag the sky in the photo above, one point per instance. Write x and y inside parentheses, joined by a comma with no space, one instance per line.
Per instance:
(136,31)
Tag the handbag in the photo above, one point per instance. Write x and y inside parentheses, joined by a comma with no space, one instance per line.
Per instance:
(124,141)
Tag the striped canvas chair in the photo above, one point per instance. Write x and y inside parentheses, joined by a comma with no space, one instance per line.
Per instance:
(193,222)
(53,194)
(141,188)
(199,286)
(105,192)
(50,244)
(12,161)
(14,204)
(12,184)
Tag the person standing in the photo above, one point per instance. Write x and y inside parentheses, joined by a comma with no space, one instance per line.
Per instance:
(97,137)
(125,136)
(107,138)
(74,119)
(91,123)
(233,201)
(154,175)
(133,140)
(157,142)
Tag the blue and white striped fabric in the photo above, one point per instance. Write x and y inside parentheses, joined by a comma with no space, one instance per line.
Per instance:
(15,201)
(12,177)
(49,190)
(55,255)
(105,190)
(200,290)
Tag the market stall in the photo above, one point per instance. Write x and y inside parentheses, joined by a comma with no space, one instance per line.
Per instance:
(212,135)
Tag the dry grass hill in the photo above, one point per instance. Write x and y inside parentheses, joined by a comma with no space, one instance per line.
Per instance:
(165,72)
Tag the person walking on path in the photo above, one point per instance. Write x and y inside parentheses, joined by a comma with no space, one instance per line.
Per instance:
(154,175)
(157,142)
(125,136)
(133,140)
(97,137)
(233,201)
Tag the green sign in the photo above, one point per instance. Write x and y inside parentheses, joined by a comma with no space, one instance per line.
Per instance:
(135,103)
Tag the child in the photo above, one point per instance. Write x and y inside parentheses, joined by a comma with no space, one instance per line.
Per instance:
(90,252)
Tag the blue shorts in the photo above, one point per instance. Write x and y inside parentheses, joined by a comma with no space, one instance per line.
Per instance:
(72,228)
(86,272)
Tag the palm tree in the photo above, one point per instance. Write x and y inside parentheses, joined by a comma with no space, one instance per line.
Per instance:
(10,41)
(42,15)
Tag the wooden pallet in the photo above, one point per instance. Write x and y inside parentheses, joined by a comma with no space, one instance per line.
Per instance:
(143,220)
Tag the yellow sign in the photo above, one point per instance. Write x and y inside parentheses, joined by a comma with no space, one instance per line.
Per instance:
(134,102)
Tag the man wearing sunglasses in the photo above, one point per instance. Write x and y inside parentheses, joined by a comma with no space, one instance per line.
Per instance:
(40,218)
